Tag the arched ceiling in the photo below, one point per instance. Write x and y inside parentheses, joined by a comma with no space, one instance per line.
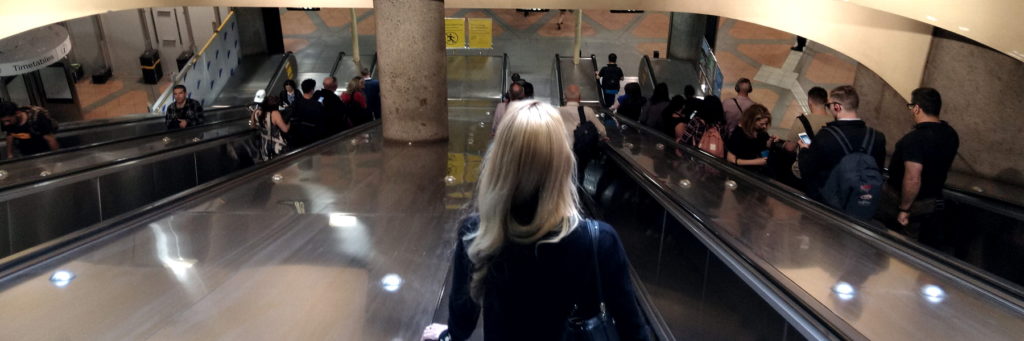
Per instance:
(891,38)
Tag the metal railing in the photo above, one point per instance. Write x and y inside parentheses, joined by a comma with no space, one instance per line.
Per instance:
(166,96)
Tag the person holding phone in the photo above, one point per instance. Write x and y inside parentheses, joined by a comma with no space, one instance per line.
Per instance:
(749,143)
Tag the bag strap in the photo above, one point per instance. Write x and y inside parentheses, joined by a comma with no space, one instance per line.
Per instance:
(583,118)
(843,142)
(869,141)
(594,232)
(734,100)
(807,126)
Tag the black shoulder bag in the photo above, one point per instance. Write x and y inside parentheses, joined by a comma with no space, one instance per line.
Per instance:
(597,328)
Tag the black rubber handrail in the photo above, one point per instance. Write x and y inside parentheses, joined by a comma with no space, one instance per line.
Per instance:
(646,63)
(504,73)
(956,270)
(17,190)
(558,80)
(279,72)
(600,91)
(334,69)
(127,221)
(108,142)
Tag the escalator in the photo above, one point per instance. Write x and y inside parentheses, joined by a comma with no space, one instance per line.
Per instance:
(583,75)
(722,254)
(345,68)
(676,74)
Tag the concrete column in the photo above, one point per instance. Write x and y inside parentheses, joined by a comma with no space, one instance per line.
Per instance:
(413,69)
(684,35)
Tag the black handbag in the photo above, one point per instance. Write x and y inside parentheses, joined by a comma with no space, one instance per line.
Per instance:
(596,328)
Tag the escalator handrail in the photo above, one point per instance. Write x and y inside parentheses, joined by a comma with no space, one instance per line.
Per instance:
(558,79)
(956,270)
(19,190)
(334,69)
(180,75)
(600,91)
(109,142)
(279,72)
(504,74)
(124,222)
(373,68)
(809,324)
(646,61)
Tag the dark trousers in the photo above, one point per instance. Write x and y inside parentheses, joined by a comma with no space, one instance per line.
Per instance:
(927,219)
(609,96)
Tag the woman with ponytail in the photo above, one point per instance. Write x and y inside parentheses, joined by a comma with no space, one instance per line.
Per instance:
(526,257)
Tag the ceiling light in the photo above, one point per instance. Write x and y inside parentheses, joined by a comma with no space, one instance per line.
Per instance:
(967,29)
(932,18)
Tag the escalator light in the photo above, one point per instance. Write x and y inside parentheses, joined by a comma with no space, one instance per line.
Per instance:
(391,282)
(62,278)
(844,291)
(342,220)
(933,293)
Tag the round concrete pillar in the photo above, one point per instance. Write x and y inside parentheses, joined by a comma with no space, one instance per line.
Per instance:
(413,69)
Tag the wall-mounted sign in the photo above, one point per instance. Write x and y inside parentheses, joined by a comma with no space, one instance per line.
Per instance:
(455,33)
(33,50)
(480,33)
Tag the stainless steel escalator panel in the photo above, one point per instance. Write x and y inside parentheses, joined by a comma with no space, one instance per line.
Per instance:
(346,268)
(346,68)
(475,78)
(677,74)
(583,75)
(880,292)
(253,74)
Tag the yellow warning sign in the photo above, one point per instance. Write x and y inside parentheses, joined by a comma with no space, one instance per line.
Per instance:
(455,33)
(480,33)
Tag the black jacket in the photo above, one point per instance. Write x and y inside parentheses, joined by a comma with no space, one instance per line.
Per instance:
(816,162)
(530,289)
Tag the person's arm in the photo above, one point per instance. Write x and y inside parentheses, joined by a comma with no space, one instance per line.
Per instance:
(911,187)
(51,140)
(617,286)
(680,129)
(10,146)
(361,99)
(276,119)
(810,164)
(462,310)
(170,119)
(745,162)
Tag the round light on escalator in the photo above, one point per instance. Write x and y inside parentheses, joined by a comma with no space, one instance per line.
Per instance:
(391,282)
(844,290)
(410,143)
(276,178)
(449,179)
(730,184)
(659,146)
(628,145)
(977,189)
(3,174)
(366,136)
(684,183)
(932,293)
(61,278)
(355,142)
(44,173)
(469,142)
(196,139)
(166,139)
(487,113)
(482,124)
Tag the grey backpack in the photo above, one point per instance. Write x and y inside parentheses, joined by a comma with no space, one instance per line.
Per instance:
(855,184)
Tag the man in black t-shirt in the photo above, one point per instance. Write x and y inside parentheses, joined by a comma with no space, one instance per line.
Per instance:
(309,122)
(610,77)
(917,171)
(30,129)
(336,118)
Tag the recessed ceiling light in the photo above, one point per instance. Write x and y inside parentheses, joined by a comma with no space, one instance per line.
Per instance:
(968,29)
(932,18)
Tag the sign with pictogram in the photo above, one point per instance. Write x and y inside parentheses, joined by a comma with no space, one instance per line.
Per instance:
(455,33)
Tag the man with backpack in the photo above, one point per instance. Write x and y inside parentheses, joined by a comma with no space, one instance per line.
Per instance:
(780,162)
(610,76)
(842,165)
(584,128)
(30,129)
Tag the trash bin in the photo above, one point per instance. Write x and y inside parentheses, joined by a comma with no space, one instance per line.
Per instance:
(151,70)
(183,59)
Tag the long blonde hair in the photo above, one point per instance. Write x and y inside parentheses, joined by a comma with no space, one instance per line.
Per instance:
(530,162)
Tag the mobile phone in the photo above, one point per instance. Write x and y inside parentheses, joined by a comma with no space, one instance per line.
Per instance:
(804,137)
(764,153)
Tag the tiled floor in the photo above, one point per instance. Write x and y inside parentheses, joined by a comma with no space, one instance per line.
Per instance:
(117,97)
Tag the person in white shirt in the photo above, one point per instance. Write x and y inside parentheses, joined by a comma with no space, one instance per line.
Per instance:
(734,107)
(571,115)
(515,93)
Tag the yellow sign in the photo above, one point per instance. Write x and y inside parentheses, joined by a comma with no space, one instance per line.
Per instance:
(454,33)
(480,33)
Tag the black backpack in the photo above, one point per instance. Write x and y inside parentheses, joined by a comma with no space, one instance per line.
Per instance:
(585,137)
(854,186)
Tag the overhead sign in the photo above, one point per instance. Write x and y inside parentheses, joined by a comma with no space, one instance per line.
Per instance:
(33,50)
(454,33)
(480,33)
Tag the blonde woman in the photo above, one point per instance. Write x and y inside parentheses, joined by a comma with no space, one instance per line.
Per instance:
(526,256)
(354,92)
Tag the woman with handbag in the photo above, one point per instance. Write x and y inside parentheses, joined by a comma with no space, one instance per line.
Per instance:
(527,257)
